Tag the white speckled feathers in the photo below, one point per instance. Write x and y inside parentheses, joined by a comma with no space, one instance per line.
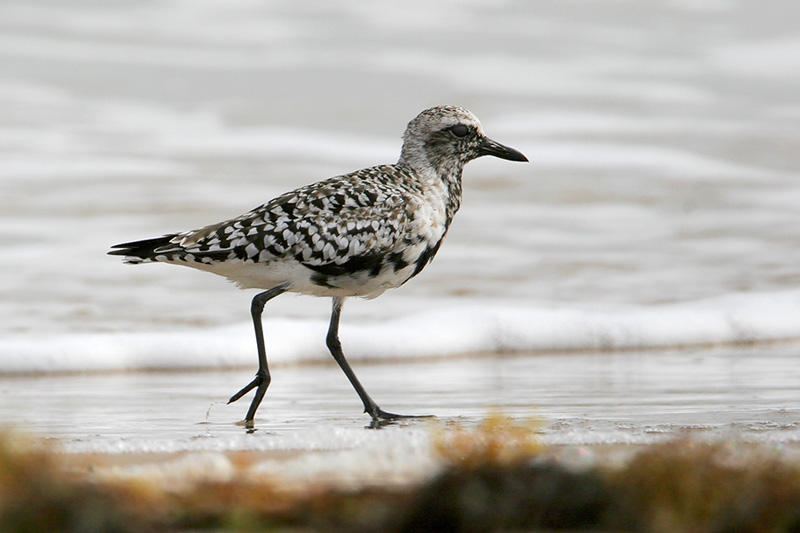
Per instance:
(359,223)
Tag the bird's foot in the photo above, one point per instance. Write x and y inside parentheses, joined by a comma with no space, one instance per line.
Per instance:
(249,425)
(257,382)
(381,418)
(260,383)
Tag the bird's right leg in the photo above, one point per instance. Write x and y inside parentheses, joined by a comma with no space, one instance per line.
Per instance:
(335,347)
(262,378)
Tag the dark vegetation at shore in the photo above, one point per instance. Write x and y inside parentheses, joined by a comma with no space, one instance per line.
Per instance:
(495,478)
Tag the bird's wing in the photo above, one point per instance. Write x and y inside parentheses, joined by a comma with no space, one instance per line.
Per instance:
(332,224)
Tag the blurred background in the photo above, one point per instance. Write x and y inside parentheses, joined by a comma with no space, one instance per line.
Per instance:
(663,138)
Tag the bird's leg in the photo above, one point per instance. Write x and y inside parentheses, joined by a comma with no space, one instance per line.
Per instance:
(262,378)
(335,346)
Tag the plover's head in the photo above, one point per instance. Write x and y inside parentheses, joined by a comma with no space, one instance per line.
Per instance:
(448,136)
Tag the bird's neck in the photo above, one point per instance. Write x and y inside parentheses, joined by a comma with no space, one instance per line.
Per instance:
(451,179)
(442,183)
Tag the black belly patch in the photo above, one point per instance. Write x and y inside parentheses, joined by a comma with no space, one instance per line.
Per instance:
(370,264)
(424,258)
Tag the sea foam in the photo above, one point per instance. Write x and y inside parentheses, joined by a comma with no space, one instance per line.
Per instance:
(440,332)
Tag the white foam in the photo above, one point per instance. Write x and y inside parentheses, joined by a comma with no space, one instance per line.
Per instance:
(742,318)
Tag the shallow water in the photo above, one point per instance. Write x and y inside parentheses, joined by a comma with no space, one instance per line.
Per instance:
(746,393)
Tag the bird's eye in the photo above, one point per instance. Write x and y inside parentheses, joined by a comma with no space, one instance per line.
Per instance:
(459,130)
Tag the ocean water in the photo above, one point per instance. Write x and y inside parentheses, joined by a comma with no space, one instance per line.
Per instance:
(660,208)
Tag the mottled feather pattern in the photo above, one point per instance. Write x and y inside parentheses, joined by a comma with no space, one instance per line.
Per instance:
(363,222)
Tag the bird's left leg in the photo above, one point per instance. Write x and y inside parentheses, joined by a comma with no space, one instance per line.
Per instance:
(262,378)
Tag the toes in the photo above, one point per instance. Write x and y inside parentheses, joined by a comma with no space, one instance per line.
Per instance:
(250,386)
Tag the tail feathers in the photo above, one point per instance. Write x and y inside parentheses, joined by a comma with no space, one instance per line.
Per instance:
(145,251)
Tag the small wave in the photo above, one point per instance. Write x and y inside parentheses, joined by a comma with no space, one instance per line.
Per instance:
(443,332)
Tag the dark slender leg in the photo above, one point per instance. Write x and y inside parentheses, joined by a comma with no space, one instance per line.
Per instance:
(262,378)
(335,346)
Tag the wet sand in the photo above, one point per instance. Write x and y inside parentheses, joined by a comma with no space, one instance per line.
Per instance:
(586,408)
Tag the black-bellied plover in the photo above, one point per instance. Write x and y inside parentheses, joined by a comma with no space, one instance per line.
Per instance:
(358,234)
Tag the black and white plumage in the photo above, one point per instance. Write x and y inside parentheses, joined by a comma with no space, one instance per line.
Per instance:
(358,234)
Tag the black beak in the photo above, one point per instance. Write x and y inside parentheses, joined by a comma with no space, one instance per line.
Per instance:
(490,147)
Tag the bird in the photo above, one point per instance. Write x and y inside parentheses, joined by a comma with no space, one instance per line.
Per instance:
(352,235)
